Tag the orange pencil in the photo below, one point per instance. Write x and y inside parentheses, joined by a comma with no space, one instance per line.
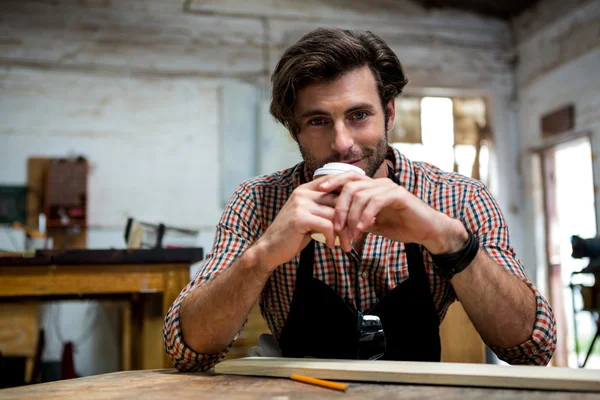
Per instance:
(319,382)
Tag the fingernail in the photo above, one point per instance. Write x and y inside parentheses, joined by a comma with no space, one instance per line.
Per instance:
(359,226)
(325,184)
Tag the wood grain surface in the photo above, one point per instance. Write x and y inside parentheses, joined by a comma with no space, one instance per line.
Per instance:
(19,326)
(449,374)
(459,338)
(169,384)
(153,287)
(80,279)
(19,329)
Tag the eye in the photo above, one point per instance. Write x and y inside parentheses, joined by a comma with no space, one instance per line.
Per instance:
(316,121)
(359,115)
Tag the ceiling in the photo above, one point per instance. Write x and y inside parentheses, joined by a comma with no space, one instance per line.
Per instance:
(504,9)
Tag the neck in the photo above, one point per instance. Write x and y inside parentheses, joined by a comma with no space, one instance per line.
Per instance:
(382,171)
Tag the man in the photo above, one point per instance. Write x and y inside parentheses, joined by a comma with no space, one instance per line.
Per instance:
(413,238)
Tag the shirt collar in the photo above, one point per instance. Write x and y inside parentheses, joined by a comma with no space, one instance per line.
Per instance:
(301,174)
(403,168)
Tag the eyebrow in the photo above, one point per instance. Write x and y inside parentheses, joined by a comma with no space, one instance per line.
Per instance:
(315,112)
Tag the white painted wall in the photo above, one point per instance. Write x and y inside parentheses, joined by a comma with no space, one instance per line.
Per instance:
(559,63)
(151,142)
(135,87)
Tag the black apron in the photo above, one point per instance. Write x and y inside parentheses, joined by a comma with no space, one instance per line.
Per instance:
(321,324)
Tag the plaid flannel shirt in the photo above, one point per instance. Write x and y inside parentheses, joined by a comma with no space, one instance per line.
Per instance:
(255,204)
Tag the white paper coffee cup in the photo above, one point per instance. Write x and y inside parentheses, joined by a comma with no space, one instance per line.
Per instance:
(333,169)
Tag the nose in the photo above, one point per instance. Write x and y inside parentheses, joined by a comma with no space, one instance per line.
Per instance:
(342,138)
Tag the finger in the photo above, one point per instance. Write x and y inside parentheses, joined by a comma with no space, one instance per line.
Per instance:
(315,223)
(325,199)
(345,240)
(315,183)
(344,201)
(373,208)
(322,211)
(304,192)
(335,182)
(372,197)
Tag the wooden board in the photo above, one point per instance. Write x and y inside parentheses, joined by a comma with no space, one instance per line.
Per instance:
(80,279)
(460,340)
(450,374)
(169,384)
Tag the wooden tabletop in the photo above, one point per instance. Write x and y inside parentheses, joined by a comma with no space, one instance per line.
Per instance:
(169,384)
(160,255)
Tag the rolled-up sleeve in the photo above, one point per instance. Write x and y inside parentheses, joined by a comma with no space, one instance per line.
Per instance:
(485,219)
(236,231)
(538,350)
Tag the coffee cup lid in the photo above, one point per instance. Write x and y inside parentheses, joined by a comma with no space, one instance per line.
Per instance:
(337,168)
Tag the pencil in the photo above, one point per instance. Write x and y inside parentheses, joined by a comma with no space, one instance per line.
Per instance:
(319,382)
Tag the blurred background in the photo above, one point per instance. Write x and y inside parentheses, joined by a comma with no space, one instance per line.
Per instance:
(129,124)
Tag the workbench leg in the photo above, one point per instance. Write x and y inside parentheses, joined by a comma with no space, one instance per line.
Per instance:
(29,362)
(151,338)
(175,280)
(126,336)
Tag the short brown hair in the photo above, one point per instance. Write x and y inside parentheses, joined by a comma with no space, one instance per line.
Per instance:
(325,54)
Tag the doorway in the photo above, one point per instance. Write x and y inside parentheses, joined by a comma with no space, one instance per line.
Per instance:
(569,210)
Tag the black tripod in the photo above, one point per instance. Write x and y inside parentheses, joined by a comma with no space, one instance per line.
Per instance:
(591,308)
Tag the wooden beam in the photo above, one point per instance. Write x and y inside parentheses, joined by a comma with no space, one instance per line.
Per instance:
(448,374)
(78,279)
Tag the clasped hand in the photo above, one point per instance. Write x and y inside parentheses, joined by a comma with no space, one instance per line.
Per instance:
(382,207)
(349,204)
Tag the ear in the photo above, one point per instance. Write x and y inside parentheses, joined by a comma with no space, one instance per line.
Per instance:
(391,112)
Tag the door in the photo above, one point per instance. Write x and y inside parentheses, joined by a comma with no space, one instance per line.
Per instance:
(569,210)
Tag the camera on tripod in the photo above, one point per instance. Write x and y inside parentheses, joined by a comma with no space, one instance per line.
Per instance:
(587,248)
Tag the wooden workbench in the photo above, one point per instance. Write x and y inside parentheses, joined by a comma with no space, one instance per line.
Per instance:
(146,282)
(161,384)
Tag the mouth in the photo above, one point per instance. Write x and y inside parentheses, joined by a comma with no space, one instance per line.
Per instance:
(353,162)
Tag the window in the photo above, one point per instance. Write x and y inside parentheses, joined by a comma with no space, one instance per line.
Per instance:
(451,134)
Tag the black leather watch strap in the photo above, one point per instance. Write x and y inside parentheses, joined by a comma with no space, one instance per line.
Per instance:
(448,265)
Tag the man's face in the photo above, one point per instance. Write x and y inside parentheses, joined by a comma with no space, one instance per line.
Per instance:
(343,121)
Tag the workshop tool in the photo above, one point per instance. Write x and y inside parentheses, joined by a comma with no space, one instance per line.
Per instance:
(138,232)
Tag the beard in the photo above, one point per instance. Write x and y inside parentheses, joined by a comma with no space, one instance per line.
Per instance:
(374,157)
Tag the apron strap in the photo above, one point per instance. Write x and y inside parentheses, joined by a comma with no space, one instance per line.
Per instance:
(416,266)
(414,254)
(305,267)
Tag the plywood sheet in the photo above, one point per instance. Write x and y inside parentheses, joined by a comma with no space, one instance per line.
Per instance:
(460,340)
(450,374)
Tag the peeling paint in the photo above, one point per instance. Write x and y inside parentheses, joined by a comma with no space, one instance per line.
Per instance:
(573,33)
(124,37)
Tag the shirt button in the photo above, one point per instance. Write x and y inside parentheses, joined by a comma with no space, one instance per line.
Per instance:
(365,274)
